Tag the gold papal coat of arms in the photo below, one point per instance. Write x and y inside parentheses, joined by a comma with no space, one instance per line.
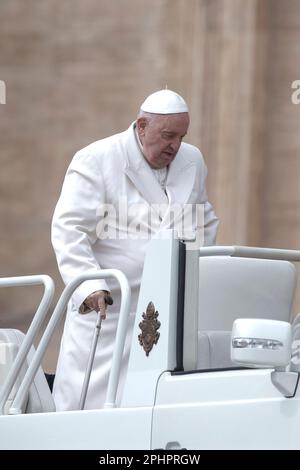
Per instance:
(149,326)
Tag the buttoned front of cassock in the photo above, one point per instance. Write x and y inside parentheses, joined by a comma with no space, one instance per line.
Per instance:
(111,177)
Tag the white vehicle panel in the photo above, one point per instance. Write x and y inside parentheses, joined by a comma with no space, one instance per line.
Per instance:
(224,410)
(92,429)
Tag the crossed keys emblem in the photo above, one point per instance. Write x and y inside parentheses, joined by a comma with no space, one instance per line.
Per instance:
(149,326)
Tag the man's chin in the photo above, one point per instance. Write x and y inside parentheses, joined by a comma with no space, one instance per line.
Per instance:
(167,159)
(163,162)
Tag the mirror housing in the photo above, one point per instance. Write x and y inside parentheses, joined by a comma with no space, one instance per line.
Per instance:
(261,343)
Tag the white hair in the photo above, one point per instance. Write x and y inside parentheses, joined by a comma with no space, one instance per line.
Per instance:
(148,116)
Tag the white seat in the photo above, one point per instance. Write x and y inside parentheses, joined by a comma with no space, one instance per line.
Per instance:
(39,396)
(231,288)
(214,350)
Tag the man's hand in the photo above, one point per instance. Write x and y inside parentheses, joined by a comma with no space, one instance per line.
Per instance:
(98,301)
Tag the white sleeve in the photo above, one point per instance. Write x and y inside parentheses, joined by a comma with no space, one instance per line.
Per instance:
(74,224)
(211,221)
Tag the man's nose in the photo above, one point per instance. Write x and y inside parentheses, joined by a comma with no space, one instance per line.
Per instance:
(175,145)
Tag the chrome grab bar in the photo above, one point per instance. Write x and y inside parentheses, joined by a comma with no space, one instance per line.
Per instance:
(250,252)
(58,312)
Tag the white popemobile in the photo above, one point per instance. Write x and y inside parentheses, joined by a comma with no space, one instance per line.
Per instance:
(211,364)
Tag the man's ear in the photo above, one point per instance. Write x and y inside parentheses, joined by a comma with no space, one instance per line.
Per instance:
(141,124)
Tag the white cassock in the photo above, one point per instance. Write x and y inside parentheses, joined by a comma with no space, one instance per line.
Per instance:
(109,178)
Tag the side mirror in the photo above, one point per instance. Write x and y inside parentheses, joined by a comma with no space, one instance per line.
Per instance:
(261,343)
(266,343)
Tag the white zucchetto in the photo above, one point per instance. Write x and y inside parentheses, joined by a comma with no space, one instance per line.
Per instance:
(164,102)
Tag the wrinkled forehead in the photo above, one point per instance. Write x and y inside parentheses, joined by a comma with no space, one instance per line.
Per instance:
(178,123)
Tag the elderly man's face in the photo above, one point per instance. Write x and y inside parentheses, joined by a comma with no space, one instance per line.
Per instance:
(161,137)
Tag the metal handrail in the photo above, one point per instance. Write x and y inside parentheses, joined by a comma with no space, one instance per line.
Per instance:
(250,252)
(59,310)
(33,329)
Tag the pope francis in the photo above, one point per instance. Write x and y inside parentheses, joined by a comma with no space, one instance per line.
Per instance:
(117,193)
